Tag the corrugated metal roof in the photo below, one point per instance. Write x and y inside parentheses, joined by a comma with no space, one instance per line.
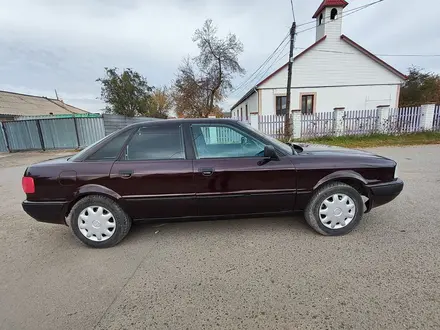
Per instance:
(30,105)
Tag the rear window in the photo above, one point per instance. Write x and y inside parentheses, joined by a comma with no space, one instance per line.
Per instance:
(112,149)
(156,143)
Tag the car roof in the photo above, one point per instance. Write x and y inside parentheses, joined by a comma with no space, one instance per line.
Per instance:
(166,122)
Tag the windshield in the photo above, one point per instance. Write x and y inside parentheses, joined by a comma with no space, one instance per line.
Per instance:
(82,152)
(285,147)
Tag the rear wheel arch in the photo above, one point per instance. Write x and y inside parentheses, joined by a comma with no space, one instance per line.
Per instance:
(93,190)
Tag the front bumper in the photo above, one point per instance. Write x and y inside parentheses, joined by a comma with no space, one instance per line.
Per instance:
(50,212)
(380,194)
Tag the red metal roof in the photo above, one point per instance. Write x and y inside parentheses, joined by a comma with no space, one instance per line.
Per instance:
(330,3)
(373,57)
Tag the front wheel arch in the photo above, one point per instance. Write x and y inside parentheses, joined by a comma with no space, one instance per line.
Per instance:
(350,178)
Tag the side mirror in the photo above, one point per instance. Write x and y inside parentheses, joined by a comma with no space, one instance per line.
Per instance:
(270,153)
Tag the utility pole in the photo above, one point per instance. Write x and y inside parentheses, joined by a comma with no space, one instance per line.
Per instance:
(289,80)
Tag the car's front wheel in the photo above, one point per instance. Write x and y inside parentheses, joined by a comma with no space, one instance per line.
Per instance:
(99,221)
(335,209)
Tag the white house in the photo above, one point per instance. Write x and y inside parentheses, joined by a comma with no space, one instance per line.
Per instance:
(333,72)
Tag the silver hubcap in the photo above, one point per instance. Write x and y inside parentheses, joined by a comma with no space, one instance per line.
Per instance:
(337,211)
(96,223)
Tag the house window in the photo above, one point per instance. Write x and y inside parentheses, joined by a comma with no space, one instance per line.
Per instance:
(247,112)
(334,14)
(280,105)
(321,17)
(307,104)
(241,113)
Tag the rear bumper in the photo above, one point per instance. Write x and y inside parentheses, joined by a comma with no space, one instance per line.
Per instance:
(50,212)
(384,193)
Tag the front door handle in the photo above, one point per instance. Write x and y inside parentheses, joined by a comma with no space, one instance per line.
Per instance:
(126,174)
(206,171)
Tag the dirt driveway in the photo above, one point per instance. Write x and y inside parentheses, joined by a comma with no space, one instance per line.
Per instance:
(272,273)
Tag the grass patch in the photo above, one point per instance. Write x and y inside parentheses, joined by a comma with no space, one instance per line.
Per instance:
(377,140)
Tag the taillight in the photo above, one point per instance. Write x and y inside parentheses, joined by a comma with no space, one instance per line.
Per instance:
(28,185)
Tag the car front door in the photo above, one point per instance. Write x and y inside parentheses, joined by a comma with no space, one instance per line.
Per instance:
(153,175)
(232,177)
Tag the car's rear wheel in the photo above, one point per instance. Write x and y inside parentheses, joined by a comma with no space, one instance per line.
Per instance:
(335,209)
(99,221)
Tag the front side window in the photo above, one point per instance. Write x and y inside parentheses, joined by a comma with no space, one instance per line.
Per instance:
(220,141)
(281,105)
(307,104)
(155,143)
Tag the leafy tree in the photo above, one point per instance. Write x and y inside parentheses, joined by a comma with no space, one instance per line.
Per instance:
(420,88)
(161,102)
(127,93)
(204,81)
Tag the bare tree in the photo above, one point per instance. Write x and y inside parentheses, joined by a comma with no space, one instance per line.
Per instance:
(204,81)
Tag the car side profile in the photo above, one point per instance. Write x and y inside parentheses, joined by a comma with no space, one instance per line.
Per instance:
(204,168)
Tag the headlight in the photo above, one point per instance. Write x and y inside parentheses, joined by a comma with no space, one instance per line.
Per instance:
(396,173)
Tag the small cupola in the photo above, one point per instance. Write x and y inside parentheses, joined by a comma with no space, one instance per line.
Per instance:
(329,18)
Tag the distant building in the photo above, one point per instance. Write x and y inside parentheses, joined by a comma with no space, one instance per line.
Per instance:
(333,72)
(13,105)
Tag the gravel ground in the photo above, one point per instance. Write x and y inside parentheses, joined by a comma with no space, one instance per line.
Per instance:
(272,273)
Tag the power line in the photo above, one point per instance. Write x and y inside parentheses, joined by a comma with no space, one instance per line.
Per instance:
(277,59)
(256,72)
(327,17)
(384,55)
(348,13)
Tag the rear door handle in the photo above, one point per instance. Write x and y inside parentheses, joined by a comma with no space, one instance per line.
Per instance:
(126,174)
(206,171)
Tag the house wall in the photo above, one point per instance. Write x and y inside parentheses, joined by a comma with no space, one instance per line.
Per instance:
(251,102)
(348,67)
(347,79)
(328,98)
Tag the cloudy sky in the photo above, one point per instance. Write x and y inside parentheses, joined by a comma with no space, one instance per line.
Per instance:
(65,45)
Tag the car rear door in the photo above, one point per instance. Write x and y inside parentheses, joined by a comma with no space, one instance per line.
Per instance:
(153,175)
(232,177)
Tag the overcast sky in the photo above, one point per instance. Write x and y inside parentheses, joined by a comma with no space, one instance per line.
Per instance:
(65,45)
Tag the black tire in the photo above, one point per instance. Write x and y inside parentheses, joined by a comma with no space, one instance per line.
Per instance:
(311,212)
(122,220)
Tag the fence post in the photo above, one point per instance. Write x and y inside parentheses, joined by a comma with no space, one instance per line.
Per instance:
(40,134)
(383,115)
(338,121)
(254,120)
(296,124)
(76,131)
(5,134)
(427,116)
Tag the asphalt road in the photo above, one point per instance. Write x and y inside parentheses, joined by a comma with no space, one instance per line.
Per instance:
(272,273)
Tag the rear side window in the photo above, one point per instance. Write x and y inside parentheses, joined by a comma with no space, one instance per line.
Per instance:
(112,149)
(156,143)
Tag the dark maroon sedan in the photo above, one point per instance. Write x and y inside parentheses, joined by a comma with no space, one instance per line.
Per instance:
(206,168)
